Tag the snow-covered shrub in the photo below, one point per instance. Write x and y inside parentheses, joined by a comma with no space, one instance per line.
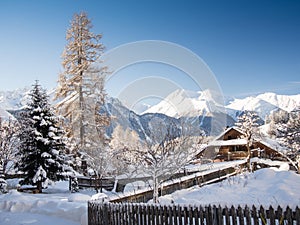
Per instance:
(3,186)
(74,184)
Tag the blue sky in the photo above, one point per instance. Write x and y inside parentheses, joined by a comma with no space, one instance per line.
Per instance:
(251,46)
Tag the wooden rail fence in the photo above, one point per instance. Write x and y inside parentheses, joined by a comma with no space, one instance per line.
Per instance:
(168,187)
(91,182)
(151,214)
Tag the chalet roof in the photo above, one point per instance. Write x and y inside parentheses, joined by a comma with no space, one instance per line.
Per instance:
(218,141)
(232,142)
(220,137)
(273,144)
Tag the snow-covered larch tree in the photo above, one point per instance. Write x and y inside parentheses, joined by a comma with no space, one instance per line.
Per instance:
(81,84)
(42,147)
(248,123)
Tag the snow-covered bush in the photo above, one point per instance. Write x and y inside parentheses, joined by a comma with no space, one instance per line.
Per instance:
(3,186)
(74,184)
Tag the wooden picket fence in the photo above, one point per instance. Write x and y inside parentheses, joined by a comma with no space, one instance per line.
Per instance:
(153,214)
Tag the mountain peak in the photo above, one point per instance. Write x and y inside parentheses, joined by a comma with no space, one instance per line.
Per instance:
(182,103)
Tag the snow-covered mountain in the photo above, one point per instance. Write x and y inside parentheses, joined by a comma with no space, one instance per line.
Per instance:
(197,110)
(263,104)
(13,100)
(183,103)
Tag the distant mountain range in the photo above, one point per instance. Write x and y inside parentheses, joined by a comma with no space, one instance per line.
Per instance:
(187,111)
(187,103)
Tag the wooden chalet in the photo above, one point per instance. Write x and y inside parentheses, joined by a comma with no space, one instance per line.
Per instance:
(230,145)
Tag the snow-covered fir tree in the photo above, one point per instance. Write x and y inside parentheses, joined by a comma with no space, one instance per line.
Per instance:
(42,147)
(248,123)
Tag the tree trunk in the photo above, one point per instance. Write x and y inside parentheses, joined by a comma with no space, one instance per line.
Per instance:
(249,158)
(155,189)
(39,186)
(81,117)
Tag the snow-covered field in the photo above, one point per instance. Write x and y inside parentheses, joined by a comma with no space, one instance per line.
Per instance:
(60,207)
(55,206)
(265,187)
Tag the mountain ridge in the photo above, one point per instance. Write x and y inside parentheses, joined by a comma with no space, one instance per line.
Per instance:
(203,102)
(200,111)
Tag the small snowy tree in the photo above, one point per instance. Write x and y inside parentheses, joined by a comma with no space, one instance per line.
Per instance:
(124,144)
(248,123)
(288,132)
(276,119)
(42,148)
(165,154)
(8,143)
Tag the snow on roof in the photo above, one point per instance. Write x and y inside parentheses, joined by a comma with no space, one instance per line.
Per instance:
(227,130)
(232,142)
(273,144)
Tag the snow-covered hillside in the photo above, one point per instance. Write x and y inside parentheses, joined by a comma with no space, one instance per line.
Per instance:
(264,187)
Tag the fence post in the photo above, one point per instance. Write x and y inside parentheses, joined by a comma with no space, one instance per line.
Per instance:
(272,215)
(227,217)
(247,216)
(215,215)
(240,215)
(254,215)
(297,215)
(233,215)
(262,215)
(105,214)
(208,215)
(280,215)
(289,215)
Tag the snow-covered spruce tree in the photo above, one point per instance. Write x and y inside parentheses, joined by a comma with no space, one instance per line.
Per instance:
(42,148)
(248,123)
(8,144)
(81,84)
